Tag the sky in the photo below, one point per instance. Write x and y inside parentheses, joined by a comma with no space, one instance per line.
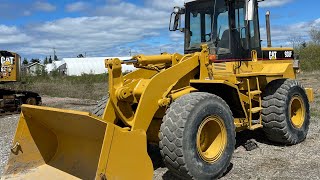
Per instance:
(34,29)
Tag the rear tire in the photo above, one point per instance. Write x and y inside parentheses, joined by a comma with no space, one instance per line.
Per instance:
(286,112)
(197,136)
(98,110)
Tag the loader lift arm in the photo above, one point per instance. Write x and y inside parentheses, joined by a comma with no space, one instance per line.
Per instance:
(151,93)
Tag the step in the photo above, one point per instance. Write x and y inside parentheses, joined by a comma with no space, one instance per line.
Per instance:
(256,126)
(256,110)
(254,93)
(256,121)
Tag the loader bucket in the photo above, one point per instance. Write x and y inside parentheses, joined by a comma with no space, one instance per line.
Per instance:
(61,144)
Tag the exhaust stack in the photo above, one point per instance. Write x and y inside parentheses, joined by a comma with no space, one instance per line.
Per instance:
(268,28)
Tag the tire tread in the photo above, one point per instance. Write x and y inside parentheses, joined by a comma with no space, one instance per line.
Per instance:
(171,132)
(98,110)
(273,113)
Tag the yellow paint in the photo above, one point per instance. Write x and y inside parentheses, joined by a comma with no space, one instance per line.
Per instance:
(224,82)
(277,49)
(10,69)
(211,139)
(128,158)
(254,55)
(297,111)
(310,94)
(180,92)
(74,144)
(158,85)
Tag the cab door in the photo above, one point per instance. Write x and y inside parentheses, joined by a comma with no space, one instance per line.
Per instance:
(245,34)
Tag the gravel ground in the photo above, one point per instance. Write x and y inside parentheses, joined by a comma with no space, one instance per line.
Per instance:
(7,129)
(8,124)
(268,161)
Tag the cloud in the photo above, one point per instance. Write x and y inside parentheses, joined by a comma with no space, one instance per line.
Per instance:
(164,4)
(77,6)
(113,1)
(44,6)
(176,36)
(11,11)
(12,35)
(27,13)
(109,26)
(283,34)
(124,9)
(97,35)
(274,3)
(113,29)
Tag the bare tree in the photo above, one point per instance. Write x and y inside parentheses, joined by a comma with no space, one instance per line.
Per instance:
(315,35)
(296,40)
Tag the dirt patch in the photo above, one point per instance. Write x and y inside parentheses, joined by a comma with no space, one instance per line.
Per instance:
(69,103)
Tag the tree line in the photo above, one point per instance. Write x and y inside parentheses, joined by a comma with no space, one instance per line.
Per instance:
(308,52)
(45,61)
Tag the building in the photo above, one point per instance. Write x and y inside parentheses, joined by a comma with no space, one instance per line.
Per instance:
(58,66)
(34,69)
(79,66)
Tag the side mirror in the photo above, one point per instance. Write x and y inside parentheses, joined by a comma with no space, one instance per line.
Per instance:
(250,10)
(175,19)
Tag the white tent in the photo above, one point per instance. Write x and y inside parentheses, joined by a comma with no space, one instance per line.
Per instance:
(53,66)
(90,65)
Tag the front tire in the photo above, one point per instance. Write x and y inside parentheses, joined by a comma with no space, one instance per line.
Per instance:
(98,110)
(197,136)
(286,112)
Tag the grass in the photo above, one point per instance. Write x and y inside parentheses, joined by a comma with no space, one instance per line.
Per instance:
(312,80)
(310,57)
(315,113)
(86,86)
(315,109)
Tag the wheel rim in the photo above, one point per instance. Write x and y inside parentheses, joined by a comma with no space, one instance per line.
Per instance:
(297,111)
(31,101)
(211,139)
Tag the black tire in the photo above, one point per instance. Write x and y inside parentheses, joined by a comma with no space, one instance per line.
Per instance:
(98,110)
(178,133)
(276,118)
(31,101)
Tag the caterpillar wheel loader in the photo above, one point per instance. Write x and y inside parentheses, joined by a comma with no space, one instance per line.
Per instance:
(11,100)
(191,105)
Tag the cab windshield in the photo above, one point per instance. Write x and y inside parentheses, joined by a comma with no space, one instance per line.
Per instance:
(208,22)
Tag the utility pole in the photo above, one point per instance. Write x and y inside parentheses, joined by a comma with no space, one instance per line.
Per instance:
(54,53)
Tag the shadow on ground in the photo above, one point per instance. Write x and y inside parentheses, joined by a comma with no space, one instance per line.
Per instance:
(242,139)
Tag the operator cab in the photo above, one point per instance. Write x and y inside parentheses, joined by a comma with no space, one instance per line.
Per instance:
(229,27)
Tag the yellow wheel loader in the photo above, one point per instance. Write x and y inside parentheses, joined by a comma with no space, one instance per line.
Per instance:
(191,105)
